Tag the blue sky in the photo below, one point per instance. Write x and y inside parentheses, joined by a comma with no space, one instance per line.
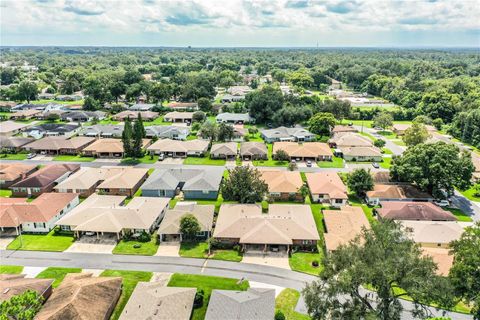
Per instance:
(241,23)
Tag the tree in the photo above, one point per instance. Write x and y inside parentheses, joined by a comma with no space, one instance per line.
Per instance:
(127,135)
(264,103)
(387,261)
(209,130)
(304,191)
(189,225)
(138,135)
(205,104)
(417,133)
(117,88)
(379,143)
(90,104)
(292,166)
(21,307)
(360,181)
(225,132)
(27,90)
(282,155)
(321,123)
(438,123)
(465,272)
(245,185)
(383,120)
(434,167)
(160,92)
(199,116)
(279,315)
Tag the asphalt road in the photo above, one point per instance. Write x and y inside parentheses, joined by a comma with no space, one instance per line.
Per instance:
(265,274)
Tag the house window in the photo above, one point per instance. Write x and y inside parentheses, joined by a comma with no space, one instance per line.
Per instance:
(275,194)
(338,201)
(23,189)
(35,189)
(305,241)
(39,225)
(15,189)
(205,191)
(122,190)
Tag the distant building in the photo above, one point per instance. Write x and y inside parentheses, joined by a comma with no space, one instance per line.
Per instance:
(287,134)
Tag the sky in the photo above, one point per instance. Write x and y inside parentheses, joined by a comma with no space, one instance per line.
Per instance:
(241,23)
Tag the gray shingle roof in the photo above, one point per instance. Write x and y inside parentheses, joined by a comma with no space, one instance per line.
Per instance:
(284,132)
(207,179)
(166,131)
(114,130)
(227,116)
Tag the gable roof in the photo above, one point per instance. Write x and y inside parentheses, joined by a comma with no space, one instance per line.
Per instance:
(59,143)
(83,114)
(227,116)
(255,303)
(400,210)
(10,126)
(171,221)
(253,148)
(152,300)
(15,284)
(400,191)
(361,151)
(442,257)
(134,114)
(13,142)
(110,145)
(341,128)
(114,130)
(305,149)
(343,225)
(284,132)
(436,232)
(54,127)
(227,148)
(350,139)
(207,179)
(282,181)
(326,183)
(13,171)
(178,115)
(166,131)
(169,145)
(46,175)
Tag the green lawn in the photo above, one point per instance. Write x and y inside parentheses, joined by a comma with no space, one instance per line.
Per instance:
(157,122)
(11,269)
(302,262)
(270,162)
(16,156)
(146,159)
(36,242)
(368,135)
(57,273)
(227,255)
(206,161)
(129,281)
(286,302)
(128,247)
(335,163)
(461,216)
(108,121)
(386,163)
(80,102)
(470,194)
(207,284)
(73,158)
(355,201)
(5,193)
(200,250)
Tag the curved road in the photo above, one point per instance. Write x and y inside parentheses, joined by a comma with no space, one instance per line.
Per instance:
(265,274)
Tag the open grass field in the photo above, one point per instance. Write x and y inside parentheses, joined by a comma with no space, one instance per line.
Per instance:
(57,273)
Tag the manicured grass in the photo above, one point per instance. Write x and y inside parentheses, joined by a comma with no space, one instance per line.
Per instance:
(128,247)
(386,163)
(57,273)
(16,156)
(270,162)
(368,135)
(73,158)
(461,216)
(286,302)
(387,134)
(10,269)
(80,102)
(399,142)
(145,159)
(5,193)
(386,151)
(206,161)
(335,163)
(129,281)
(227,255)
(193,249)
(302,262)
(108,121)
(207,284)
(157,122)
(355,201)
(470,194)
(36,242)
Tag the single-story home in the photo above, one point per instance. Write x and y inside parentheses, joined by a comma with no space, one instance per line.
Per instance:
(253,151)
(283,185)
(229,98)
(175,116)
(361,154)
(43,180)
(442,257)
(146,115)
(315,151)
(433,233)
(341,128)
(405,210)
(39,215)
(194,183)
(108,215)
(153,300)
(395,192)
(183,106)
(82,296)
(108,148)
(169,229)
(179,149)
(11,173)
(239,90)
(400,128)
(13,144)
(349,139)
(53,129)
(234,118)
(103,131)
(283,227)
(123,181)
(227,150)
(82,116)
(46,114)
(142,107)
(327,187)
(10,128)
(59,145)
(343,225)
(12,285)
(255,303)
(25,114)
(287,134)
(167,132)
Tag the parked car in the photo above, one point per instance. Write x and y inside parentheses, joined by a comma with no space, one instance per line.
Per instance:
(161,157)
(375,165)
(31,155)
(442,203)
(309,163)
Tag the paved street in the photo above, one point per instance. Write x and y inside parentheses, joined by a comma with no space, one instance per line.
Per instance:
(395,148)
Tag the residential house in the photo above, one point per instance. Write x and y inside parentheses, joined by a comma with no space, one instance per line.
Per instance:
(183,106)
(400,192)
(25,114)
(442,257)
(283,185)
(255,303)
(83,116)
(123,181)
(179,149)
(404,210)
(43,180)
(342,226)
(178,117)
(103,131)
(342,128)
(227,150)
(11,173)
(229,98)
(153,300)
(11,128)
(82,296)
(287,134)
(253,151)
(239,90)
(69,97)
(146,115)
(59,145)
(142,107)
(239,132)
(12,285)
(361,154)
(327,187)
(52,129)
(109,215)
(315,151)
(169,229)
(437,234)
(234,118)
(39,215)
(194,183)
(349,139)
(51,114)
(283,227)
(400,128)
(109,148)
(167,132)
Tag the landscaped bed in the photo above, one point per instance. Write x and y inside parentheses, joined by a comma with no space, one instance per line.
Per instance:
(42,242)
(57,273)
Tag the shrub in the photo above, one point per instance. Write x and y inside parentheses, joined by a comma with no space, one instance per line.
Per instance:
(198,301)
(279,315)
(315,263)
(144,237)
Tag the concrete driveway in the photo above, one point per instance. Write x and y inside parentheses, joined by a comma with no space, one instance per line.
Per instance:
(279,260)
(172,161)
(93,245)
(5,241)
(168,249)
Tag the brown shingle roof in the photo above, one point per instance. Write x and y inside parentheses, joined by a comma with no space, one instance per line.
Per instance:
(361,151)
(388,191)
(15,284)
(134,114)
(60,142)
(327,183)
(343,225)
(282,181)
(442,257)
(253,148)
(399,210)
(13,171)
(46,175)
(169,145)
(109,145)
(171,221)
(349,139)
(9,126)
(305,149)
(340,128)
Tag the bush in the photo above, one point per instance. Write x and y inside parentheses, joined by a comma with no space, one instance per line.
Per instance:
(315,263)
(144,237)
(279,315)
(236,248)
(198,301)
(137,246)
